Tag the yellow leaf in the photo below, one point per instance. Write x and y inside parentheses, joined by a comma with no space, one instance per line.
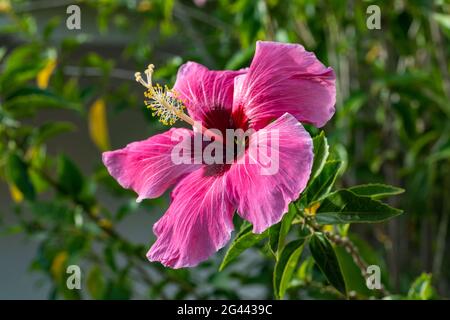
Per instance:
(144,6)
(98,125)
(328,227)
(373,53)
(58,264)
(5,6)
(44,75)
(105,224)
(312,209)
(16,195)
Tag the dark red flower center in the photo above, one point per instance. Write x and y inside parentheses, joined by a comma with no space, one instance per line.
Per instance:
(221,119)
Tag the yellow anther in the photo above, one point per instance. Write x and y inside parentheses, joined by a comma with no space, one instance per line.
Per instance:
(166,104)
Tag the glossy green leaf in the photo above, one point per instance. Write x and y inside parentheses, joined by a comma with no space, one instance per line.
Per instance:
(244,240)
(321,152)
(95,283)
(17,173)
(344,206)
(354,281)
(443,20)
(240,59)
(50,130)
(322,184)
(53,211)
(376,190)
(26,103)
(325,258)
(69,176)
(278,232)
(285,266)
(421,288)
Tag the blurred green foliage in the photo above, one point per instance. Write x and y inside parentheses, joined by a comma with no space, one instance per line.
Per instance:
(391,126)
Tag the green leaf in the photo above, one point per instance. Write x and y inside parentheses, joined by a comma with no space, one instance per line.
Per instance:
(110,256)
(443,20)
(306,269)
(421,289)
(352,105)
(17,173)
(325,258)
(376,190)
(69,176)
(344,206)
(321,152)
(285,267)
(2,53)
(95,283)
(25,102)
(322,184)
(278,232)
(18,56)
(20,66)
(52,211)
(244,240)
(51,129)
(240,59)
(354,281)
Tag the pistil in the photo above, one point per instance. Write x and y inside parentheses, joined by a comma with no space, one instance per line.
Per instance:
(167,106)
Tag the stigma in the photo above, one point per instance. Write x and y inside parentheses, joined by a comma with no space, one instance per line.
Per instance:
(166,105)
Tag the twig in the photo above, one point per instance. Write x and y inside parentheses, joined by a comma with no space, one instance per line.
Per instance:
(135,259)
(348,245)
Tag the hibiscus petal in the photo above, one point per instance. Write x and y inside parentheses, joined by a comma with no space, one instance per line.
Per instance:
(197,223)
(147,166)
(262,197)
(208,94)
(285,78)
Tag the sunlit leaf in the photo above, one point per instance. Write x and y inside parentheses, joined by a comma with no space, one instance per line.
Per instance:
(16,195)
(376,190)
(344,206)
(322,184)
(244,240)
(285,267)
(17,173)
(98,126)
(321,152)
(421,289)
(58,265)
(44,75)
(278,232)
(443,20)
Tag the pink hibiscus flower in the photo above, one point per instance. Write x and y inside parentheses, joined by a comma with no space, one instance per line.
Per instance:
(283,85)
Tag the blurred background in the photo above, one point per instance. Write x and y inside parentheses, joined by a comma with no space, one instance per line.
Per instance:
(67,95)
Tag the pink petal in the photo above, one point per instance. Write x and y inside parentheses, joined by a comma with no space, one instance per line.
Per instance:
(197,223)
(146,166)
(208,95)
(262,199)
(285,78)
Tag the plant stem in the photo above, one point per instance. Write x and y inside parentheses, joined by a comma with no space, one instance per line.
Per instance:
(348,245)
(134,259)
